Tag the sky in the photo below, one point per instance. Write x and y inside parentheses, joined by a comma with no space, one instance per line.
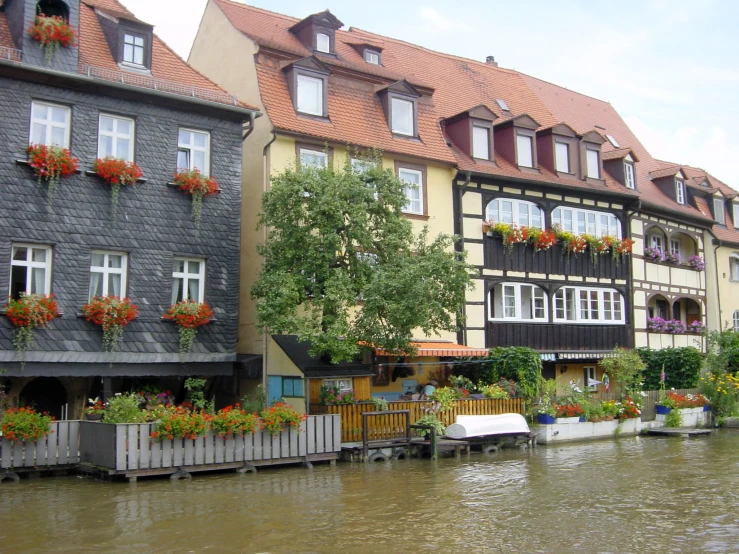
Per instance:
(669,67)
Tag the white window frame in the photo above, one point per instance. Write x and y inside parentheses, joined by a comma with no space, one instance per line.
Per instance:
(342,385)
(320,37)
(656,241)
(591,372)
(186,277)
(587,302)
(736,321)
(499,214)
(591,221)
(676,246)
(566,146)
(190,147)
(311,152)
(49,123)
(134,48)
(115,136)
(592,165)
(372,56)
(529,141)
(408,208)
(720,210)
(735,210)
(734,267)
(395,104)
(30,265)
(105,270)
(629,175)
(679,191)
(514,290)
(303,106)
(480,142)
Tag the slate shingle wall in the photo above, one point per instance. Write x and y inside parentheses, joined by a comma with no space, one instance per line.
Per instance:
(154,220)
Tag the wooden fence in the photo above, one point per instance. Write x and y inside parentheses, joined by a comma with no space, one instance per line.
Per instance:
(58,448)
(648,411)
(392,426)
(125,448)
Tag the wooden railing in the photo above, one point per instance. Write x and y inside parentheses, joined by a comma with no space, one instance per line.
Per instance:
(393,426)
(58,448)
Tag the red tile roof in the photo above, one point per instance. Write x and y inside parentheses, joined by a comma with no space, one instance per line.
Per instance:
(169,72)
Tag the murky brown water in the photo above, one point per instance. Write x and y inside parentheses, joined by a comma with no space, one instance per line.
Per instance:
(630,495)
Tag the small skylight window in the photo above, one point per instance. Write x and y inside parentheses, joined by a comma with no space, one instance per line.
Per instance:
(613,141)
(503,105)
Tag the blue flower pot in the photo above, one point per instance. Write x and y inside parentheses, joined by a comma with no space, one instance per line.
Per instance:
(664,410)
(582,418)
(545,419)
(706,408)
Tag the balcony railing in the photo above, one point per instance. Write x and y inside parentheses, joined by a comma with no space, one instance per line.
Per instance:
(558,336)
(10,54)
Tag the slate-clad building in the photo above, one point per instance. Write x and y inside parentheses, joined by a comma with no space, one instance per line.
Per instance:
(118,91)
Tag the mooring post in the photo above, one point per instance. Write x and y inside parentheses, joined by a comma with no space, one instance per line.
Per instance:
(433,443)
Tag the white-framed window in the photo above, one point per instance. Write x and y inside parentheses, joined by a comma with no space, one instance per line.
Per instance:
(310,95)
(108,272)
(525,149)
(588,305)
(518,302)
(30,269)
(188,279)
(734,267)
(736,321)
(134,49)
(590,376)
(520,212)
(193,150)
(414,191)
(679,191)
(115,137)
(656,241)
(629,175)
(323,42)
(562,155)
(313,158)
(403,120)
(589,222)
(480,142)
(50,124)
(593,163)
(341,385)
(735,209)
(675,246)
(372,56)
(718,210)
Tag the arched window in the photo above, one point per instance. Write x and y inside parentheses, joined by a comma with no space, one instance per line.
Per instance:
(589,222)
(588,305)
(520,212)
(51,8)
(518,302)
(734,266)
(736,321)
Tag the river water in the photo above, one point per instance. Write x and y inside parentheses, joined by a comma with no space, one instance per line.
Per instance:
(625,495)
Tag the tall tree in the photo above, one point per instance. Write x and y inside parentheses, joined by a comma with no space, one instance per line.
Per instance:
(343,268)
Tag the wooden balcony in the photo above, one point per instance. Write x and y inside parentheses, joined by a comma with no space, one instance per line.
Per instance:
(552,261)
(558,336)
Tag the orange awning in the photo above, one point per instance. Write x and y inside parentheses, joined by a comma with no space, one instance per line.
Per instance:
(447,349)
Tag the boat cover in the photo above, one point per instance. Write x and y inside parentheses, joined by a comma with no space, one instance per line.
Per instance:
(467,426)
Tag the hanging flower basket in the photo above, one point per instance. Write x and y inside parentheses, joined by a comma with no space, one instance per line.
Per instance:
(27,313)
(112,314)
(116,173)
(52,33)
(51,164)
(542,239)
(199,186)
(188,315)
(624,247)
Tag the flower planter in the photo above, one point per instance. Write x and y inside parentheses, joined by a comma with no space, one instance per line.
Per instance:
(663,410)
(568,419)
(94,417)
(586,431)
(545,419)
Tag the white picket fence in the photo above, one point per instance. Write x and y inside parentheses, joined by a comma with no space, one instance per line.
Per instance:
(128,447)
(58,448)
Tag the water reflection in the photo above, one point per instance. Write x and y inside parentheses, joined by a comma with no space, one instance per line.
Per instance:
(630,495)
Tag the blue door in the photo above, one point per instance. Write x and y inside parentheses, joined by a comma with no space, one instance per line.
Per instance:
(274,388)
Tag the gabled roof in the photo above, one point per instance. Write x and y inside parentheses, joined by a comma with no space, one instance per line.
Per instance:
(322,18)
(316,366)
(619,154)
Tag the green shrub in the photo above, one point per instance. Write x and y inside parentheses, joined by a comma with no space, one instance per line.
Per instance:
(520,364)
(682,367)
(124,408)
(674,419)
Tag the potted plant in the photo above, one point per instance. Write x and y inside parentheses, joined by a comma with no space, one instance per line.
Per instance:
(653,254)
(696,326)
(430,420)
(281,416)
(27,313)
(116,173)
(232,420)
(52,33)
(112,314)
(188,315)
(567,413)
(194,183)
(25,425)
(673,258)
(51,164)
(96,409)
(697,263)
(181,423)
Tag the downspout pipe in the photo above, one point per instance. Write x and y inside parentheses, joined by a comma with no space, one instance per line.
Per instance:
(265,183)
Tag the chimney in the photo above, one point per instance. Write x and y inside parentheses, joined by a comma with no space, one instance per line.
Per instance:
(491,60)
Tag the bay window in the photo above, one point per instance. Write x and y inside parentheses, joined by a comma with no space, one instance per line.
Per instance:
(520,212)
(518,302)
(588,305)
(577,220)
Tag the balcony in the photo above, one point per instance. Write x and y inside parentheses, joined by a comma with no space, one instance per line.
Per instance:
(558,336)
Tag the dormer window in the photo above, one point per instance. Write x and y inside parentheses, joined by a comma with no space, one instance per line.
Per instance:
(562,154)
(629,175)
(310,95)
(53,8)
(372,56)
(402,116)
(323,43)
(525,150)
(718,211)
(736,215)
(134,49)
(480,142)
(307,80)
(679,191)
(593,163)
